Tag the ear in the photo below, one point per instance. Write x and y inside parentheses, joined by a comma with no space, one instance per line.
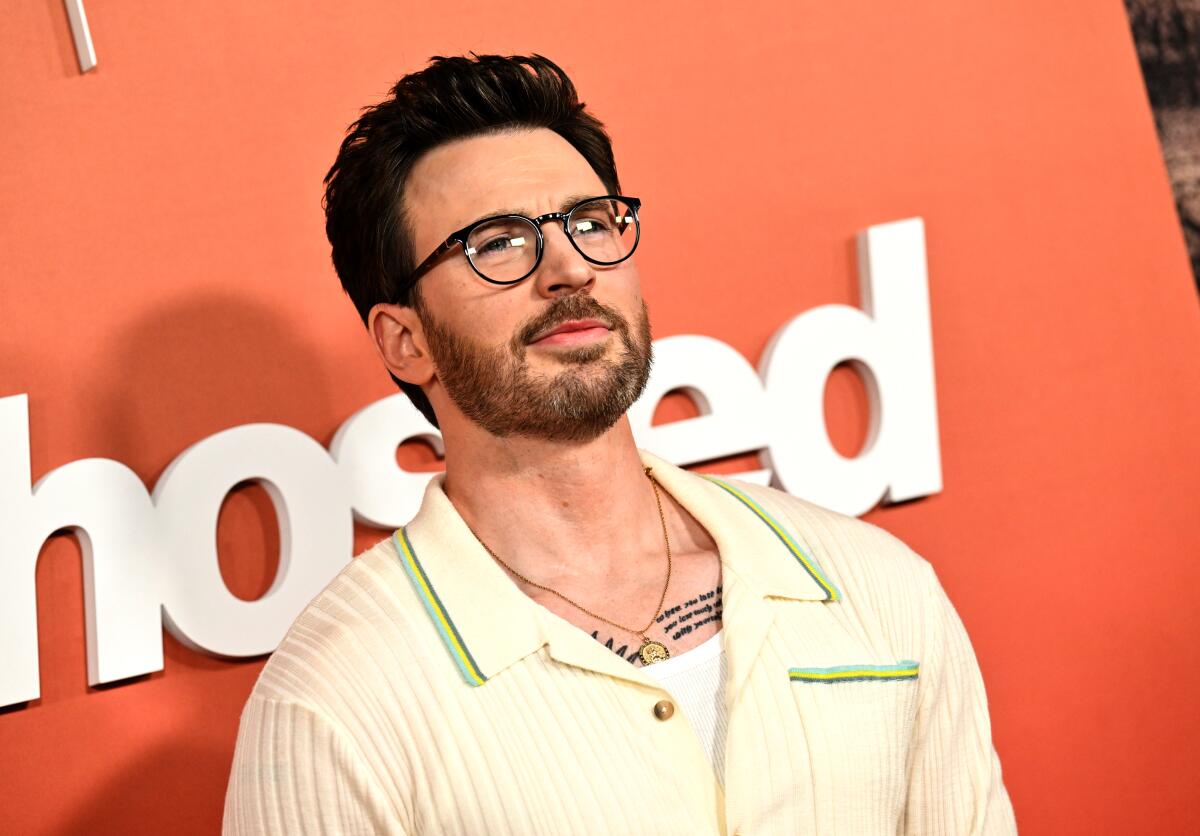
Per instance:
(400,341)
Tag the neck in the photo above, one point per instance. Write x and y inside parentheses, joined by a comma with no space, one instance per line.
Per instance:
(557,513)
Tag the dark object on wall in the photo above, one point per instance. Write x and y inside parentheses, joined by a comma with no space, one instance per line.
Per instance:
(1167,34)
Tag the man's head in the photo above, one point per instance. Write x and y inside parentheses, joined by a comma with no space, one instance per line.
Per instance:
(461,140)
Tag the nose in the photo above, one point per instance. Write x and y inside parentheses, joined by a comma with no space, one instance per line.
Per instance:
(563,270)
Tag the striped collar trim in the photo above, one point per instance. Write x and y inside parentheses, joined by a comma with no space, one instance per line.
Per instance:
(497,624)
(831,592)
(906,669)
(437,612)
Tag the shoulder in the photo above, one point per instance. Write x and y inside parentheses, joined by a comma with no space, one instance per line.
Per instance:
(862,559)
(838,534)
(336,696)
(365,627)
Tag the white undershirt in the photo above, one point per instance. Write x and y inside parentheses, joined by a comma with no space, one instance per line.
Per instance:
(696,679)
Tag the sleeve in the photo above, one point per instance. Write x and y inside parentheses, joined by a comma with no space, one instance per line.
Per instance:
(294,773)
(956,787)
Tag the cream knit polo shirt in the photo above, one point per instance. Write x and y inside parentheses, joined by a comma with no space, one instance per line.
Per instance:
(423,693)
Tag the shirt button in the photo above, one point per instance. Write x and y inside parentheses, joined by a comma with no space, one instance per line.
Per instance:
(663,709)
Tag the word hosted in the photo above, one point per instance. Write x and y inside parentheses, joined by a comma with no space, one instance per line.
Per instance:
(149,557)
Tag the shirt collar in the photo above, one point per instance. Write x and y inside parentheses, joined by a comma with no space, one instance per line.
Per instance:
(487,623)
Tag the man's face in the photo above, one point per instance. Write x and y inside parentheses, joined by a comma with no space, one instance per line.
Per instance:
(492,346)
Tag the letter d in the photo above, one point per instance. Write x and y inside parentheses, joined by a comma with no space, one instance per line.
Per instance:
(891,346)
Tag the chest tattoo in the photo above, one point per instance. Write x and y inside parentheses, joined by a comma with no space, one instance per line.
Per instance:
(675,621)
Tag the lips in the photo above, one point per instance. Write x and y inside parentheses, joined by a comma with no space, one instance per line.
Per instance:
(571,327)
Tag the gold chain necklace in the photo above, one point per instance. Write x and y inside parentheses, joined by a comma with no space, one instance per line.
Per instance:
(651,651)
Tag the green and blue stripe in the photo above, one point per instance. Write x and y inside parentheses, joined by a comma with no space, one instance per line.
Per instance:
(810,565)
(437,612)
(906,669)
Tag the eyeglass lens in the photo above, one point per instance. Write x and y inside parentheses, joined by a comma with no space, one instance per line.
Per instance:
(505,249)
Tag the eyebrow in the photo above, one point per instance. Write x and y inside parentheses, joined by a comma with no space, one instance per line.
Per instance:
(567,203)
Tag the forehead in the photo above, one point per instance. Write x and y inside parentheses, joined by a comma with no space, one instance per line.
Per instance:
(525,170)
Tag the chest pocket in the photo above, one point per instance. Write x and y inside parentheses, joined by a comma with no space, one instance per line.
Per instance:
(858,724)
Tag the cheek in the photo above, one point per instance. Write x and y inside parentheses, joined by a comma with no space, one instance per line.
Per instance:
(623,290)
(487,319)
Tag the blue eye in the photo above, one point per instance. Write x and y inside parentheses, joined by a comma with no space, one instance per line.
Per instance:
(590,226)
(501,246)
(496,245)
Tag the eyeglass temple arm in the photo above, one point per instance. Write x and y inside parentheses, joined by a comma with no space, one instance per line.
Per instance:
(427,265)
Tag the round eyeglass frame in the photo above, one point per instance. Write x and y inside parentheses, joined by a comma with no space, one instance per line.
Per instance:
(461,236)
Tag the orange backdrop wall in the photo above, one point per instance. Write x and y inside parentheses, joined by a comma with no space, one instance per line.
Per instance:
(164,275)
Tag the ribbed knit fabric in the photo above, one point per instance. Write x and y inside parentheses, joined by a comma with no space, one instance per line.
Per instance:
(696,679)
(423,693)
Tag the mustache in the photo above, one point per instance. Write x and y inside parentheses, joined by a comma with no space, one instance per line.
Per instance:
(566,308)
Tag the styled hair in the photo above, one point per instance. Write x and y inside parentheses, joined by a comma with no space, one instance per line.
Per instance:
(366,220)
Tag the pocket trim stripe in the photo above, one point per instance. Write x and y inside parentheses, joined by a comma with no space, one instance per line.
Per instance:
(906,669)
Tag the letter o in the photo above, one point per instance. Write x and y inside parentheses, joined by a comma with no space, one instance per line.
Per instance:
(316,535)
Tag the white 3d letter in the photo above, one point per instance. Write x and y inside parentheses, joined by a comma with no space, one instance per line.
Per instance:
(364,447)
(726,391)
(316,535)
(109,508)
(891,346)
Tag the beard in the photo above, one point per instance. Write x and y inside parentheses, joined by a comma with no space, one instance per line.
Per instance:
(496,388)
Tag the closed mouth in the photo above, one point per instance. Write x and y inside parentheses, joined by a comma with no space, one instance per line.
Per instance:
(573,326)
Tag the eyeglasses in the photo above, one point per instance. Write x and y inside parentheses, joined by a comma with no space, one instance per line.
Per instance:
(507,249)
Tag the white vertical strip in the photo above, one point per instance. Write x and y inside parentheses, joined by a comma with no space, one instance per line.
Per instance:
(82,35)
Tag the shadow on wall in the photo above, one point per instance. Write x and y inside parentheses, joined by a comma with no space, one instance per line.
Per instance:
(175,374)
(192,369)
(196,367)
(188,369)
(1167,35)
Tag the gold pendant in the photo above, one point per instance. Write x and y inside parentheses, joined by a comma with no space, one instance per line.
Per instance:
(652,651)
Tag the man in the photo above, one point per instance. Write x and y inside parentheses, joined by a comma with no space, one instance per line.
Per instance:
(573,636)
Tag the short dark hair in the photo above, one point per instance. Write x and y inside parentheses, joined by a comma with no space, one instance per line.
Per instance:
(451,99)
